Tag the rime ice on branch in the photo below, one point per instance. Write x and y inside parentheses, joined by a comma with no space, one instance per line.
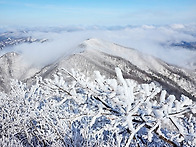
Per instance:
(99,112)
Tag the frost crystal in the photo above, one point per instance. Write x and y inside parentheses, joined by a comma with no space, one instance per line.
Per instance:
(95,112)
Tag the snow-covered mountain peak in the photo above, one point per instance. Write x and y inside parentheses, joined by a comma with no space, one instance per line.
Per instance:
(94,54)
(92,41)
(139,59)
(102,45)
(9,55)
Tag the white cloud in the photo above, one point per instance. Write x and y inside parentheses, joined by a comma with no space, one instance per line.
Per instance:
(148,39)
(177,26)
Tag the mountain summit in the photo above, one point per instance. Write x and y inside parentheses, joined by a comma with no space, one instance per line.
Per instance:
(116,96)
(94,54)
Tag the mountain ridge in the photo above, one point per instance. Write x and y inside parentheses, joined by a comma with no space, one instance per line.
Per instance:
(94,54)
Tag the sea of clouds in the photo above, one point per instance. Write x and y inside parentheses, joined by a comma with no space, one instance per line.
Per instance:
(149,39)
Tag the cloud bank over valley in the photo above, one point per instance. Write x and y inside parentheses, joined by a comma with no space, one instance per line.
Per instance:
(158,41)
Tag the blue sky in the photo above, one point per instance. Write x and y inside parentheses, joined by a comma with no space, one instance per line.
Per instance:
(96,12)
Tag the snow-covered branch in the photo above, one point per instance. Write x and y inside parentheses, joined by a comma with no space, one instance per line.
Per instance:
(94,112)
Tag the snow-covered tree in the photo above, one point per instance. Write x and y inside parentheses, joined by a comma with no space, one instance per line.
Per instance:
(94,112)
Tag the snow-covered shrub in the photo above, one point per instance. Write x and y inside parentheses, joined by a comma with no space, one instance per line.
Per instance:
(98,112)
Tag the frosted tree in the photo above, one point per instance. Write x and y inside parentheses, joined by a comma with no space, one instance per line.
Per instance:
(74,110)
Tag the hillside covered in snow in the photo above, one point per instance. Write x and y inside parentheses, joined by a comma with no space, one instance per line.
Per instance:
(95,54)
(94,112)
(97,93)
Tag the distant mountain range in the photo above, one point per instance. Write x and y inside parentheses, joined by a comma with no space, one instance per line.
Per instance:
(9,39)
(94,54)
(184,44)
